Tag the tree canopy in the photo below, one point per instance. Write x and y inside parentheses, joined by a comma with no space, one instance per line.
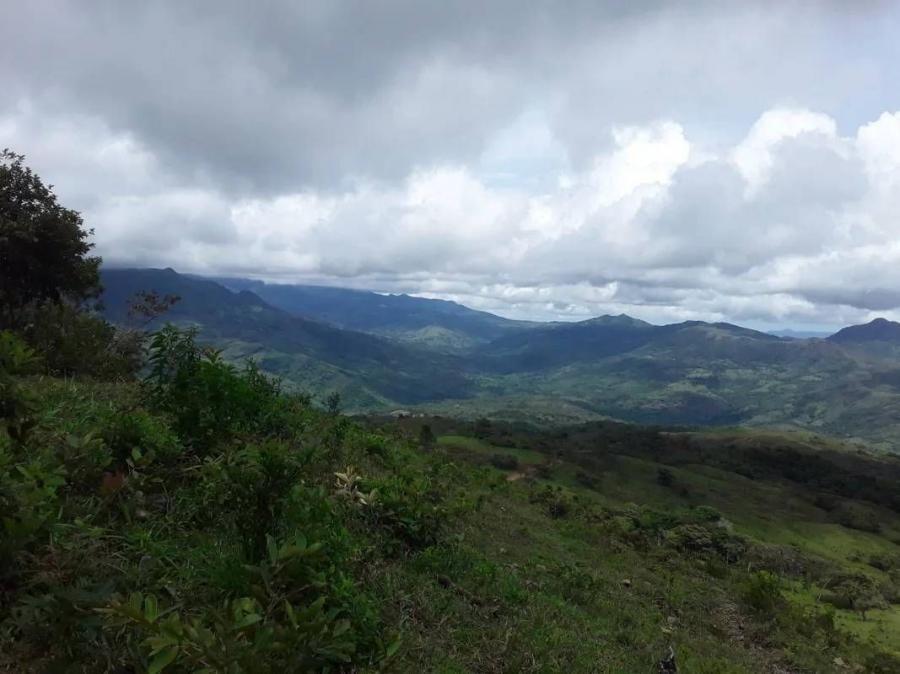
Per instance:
(44,247)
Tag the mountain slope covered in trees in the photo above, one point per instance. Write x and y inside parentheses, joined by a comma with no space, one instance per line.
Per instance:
(610,366)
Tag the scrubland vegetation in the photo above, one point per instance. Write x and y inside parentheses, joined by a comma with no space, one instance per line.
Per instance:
(163,509)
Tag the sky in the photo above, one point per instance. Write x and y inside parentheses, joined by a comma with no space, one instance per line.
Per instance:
(544,160)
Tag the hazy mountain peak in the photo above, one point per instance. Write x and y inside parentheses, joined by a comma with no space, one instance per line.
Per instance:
(877,330)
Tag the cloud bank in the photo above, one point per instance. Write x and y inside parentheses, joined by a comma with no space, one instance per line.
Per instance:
(550,163)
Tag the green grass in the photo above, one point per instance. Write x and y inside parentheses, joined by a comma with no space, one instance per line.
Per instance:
(482,448)
(471,571)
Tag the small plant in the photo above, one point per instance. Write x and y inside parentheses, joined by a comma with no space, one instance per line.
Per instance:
(762,592)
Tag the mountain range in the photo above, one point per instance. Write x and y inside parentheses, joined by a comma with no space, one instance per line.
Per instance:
(388,351)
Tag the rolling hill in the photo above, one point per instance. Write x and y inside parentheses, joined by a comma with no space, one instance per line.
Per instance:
(438,324)
(375,350)
(367,370)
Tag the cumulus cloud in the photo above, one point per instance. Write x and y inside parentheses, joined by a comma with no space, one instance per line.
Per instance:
(554,163)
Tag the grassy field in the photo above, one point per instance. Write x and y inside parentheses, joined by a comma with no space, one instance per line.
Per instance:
(767,512)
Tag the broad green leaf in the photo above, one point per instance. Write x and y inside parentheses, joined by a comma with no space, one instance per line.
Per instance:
(162,659)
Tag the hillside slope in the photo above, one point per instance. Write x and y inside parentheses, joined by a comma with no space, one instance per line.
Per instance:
(180,526)
(440,324)
(610,366)
(366,369)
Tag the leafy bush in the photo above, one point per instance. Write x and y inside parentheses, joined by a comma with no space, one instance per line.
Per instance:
(854,591)
(74,342)
(556,501)
(504,461)
(208,398)
(410,508)
(140,430)
(251,486)
(854,516)
(290,623)
(762,592)
(16,406)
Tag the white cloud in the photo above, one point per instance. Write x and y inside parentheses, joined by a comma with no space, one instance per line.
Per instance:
(656,226)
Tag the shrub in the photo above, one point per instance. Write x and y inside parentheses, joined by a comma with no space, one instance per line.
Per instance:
(587,480)
(297,619)
(665,477)
(208,398)
(855,516)
(410,508)
(854,591)
(557,503)
(504,461)
(74,342)
(250,487)
(140,430)
(762,592)
(16,405)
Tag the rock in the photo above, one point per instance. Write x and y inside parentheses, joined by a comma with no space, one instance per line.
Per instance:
(667,664)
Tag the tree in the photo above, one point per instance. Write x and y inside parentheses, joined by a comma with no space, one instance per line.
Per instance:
(44,247)
(665,477)
(426,437)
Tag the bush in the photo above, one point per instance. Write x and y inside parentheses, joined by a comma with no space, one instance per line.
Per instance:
(587,480)
(410,508)
(557,503)
(76,343)
(140,430)
(762,592)
(299,618)
(208,398)
(665,477)
(250,487)
(16,406)
(853,591)
(855,516)
(504,461)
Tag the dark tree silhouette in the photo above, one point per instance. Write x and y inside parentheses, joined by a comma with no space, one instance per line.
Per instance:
(44,247)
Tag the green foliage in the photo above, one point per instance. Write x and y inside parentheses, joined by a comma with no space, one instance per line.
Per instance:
(276,629)
(504,461)
(208,398)
(44,247)
(291,539)
(556,501)
(856,592)
(426,437)
(251,487)
(139,430)
(74,342)
(16,406)
(762,592)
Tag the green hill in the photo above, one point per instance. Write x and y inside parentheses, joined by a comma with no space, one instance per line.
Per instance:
(405,351)
(367,370)
(205,521)
(439,324)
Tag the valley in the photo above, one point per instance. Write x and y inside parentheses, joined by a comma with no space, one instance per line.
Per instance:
(384,352)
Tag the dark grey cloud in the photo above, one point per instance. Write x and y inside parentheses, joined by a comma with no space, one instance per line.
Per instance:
(690,160)
(277,95)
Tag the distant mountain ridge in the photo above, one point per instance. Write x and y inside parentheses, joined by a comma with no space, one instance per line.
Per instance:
(878,330)
(384,351)
(366,368)
(440,324)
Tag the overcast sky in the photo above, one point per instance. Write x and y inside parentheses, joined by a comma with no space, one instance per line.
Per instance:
(551,160)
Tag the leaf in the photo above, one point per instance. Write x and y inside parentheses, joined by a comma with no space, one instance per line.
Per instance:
(247,621)
(392,648)
(162,659)
(151,608)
